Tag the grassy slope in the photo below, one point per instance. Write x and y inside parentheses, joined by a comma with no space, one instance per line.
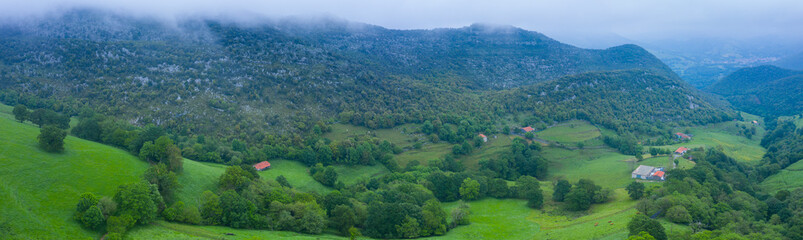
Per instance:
(492,149)
(789,178)
(605,166)
(570,132)
(199,177)
(725,135)
(40,189)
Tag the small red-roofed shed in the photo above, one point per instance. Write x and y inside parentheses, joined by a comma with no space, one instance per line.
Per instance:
(262,165)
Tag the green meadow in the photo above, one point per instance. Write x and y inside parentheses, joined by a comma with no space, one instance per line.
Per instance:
(726,135)
(198,177)
(605,166)
(40,189)
(396,135)
(488,150)
(789,178)
(570,132)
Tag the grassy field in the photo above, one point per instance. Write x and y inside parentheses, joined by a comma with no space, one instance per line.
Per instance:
(489,150)
(395,135)
(570,132)
(726,135)
(40,189)
(173,231)
(789,178)
(199,177)
(605,166)
(427,152)
(666,162)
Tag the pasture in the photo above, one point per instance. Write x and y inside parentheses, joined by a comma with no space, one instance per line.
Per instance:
(40,189)
(573,131)
(787,179)
(725,134)
(605,166)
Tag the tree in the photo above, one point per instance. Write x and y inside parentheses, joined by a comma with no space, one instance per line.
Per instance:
(21,112)
(635,190)
(164,179)
(42,117)
(119,224)
(85,201)
(93,218)
(434,221)
(498,188)
(162,150)
(88,128)
(342,218)
(578,199)
(460,215)
(210,208)
(470,189)
(236,210)
(641,236)
(561,189)
(235,178)
(51,138)
(529,188)
(140,200)
(642,223)
(678,214)
(409,228)
(327,176)
(283,181)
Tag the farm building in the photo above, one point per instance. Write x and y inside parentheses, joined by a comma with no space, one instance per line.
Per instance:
(681,151)
(648,173)
(484,138)
(755,122)
(683,136)
(262,165)
(527,129)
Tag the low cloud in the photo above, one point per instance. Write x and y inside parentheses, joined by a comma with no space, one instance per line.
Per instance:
(634,19)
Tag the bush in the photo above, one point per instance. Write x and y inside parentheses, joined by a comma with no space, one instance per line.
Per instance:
(51,138)
(93,218)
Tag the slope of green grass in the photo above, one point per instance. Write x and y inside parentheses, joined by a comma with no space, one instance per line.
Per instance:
(726,134)
(789,178)
(489,150)
(398,135)
(427,152)
(40,189)
(196,178)
(352,174)
(605,166)
(570,132)
(174,231)
(666,162)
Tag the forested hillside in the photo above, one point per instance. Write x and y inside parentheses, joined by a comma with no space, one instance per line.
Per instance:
(263,75)
(631,101)
(764,90)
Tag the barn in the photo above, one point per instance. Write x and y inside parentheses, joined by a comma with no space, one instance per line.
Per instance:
(262,165)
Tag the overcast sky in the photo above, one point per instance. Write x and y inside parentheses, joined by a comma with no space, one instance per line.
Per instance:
(634,19)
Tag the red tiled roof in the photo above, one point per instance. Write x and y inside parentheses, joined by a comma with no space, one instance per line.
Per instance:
(262,165)
(681,149)
(683,135)
(527,129)
(482,135)
(658,174)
